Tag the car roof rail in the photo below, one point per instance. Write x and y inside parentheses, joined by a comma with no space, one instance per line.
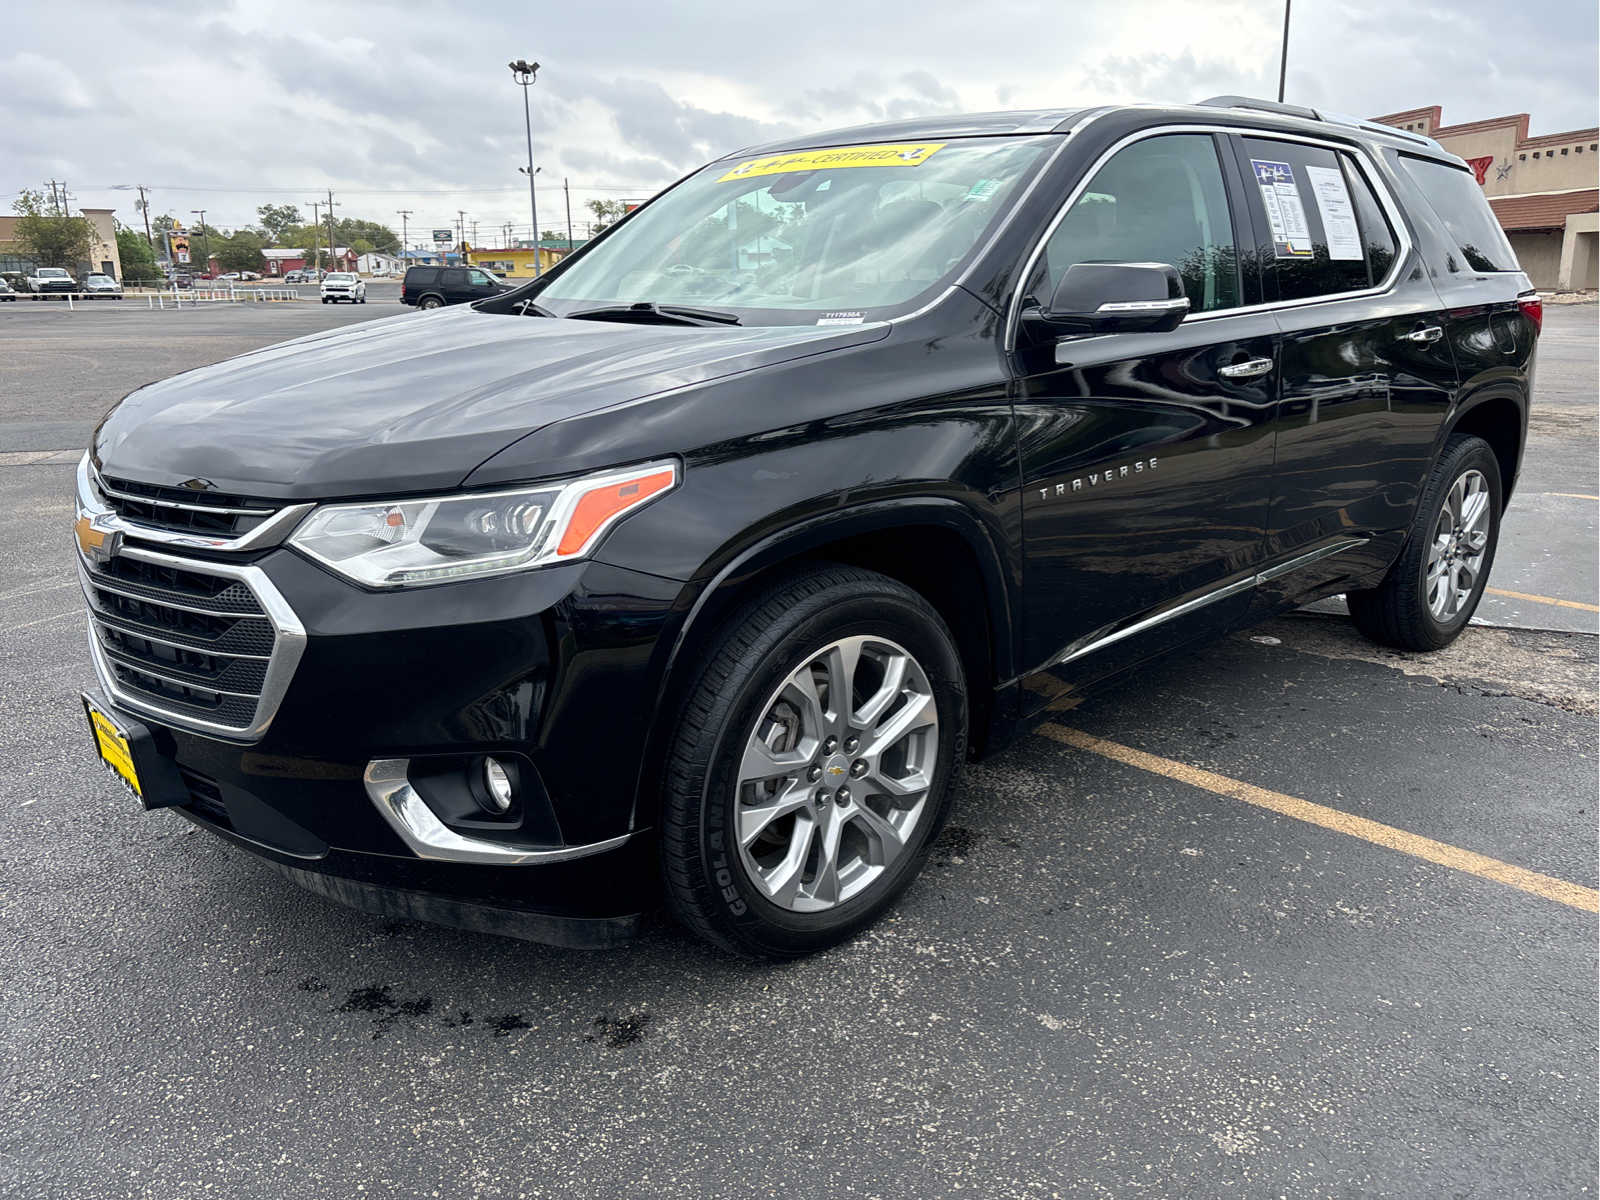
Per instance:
(1323,115)
(1270,106)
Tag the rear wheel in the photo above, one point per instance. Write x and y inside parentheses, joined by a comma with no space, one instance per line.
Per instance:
(1431,593)
(430,302)
(811,768)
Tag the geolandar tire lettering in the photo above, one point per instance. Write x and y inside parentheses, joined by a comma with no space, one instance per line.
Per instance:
(1432,590)
(811,768)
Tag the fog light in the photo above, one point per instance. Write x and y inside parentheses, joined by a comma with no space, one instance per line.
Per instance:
(497,785)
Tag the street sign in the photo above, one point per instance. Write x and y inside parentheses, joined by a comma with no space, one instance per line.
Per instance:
(443,237)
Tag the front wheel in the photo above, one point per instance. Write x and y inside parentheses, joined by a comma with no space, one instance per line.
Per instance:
(1431,593)
(812,765)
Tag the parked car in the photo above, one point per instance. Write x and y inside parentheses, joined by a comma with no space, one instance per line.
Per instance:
(294,277)
(690,575)
(102,287)
(250,276)
(6,291)
(343,285)
(435,287)
(182,281)
(45,282)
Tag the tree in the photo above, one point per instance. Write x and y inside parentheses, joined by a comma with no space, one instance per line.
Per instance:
(241,252)
(350,230)
(552,235)
(606,212)
(138,259)
(52,239)
(277,220)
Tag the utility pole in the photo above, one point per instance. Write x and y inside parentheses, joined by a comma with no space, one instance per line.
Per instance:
(403,213)
(315,205)
(205,234)
(1283,62)
(525,73)
(144,207)
(331,242)
(55,200)
(567,192)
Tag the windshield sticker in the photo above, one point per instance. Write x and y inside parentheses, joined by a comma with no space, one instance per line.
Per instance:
(901,154)
(1338,215)
(984,189)
(841,318)
(1291,236)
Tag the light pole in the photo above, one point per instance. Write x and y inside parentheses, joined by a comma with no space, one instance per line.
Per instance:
(205,235)
(1283,61)
(524,73)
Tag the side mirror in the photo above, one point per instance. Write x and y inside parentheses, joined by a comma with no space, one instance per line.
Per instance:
(1111,298)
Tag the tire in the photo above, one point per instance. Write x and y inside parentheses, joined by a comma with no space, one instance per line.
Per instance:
(1410,610)
(777,900)
(430,302)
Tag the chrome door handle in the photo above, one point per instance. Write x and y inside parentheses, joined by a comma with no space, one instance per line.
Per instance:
(1425,336)
(1249,369)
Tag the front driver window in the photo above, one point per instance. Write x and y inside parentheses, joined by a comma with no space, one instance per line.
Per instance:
(1161,200)
(478,279)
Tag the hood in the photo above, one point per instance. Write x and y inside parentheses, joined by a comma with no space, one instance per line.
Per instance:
(415,402)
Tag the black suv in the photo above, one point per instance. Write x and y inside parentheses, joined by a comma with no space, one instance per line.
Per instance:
(694,570)
(435,287)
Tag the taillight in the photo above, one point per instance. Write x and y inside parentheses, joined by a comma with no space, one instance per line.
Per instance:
(1533,308)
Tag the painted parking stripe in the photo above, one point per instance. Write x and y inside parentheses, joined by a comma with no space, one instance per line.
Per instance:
(1580,606)
(1571,495)
(71,612)
(1445,855)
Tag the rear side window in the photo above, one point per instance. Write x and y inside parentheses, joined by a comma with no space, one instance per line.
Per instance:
(1307,218)
(1377,235)
(422,276)
(1160,200)
(455,277)
(1456,199)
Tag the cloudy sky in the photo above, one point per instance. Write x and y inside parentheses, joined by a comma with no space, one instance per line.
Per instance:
(228,104)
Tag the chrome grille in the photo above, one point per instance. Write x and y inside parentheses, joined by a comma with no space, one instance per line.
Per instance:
(202,645)
(178,510)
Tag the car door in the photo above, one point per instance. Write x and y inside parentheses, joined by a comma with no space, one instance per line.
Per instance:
(1363,363)
(1146,458)
(480,284)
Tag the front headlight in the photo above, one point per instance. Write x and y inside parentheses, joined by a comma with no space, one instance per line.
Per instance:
(408,543)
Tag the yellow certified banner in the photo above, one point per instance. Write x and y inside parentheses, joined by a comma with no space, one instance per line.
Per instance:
(901,154)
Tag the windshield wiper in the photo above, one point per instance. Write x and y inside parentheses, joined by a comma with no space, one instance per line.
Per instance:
(646,313)
(529,309)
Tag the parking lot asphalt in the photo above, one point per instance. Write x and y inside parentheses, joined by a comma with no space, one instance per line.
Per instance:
(1286,914)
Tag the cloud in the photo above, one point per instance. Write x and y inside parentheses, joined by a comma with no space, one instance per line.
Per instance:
(407,106)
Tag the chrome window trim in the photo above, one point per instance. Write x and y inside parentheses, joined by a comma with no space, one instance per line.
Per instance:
(1364,163)
(1254,580)
(91,504)
(287,649)
(388,786)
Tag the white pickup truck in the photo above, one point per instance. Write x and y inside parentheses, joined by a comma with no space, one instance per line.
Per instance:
(47,281)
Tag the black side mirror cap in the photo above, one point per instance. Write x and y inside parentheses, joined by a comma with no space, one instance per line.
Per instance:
(1111,298)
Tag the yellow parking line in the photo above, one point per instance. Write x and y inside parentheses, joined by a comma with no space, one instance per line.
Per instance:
(1579,605)
(1571,495)
(1559,890)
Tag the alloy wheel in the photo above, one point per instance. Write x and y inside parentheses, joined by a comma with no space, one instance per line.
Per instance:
(836,774)
(1460,540)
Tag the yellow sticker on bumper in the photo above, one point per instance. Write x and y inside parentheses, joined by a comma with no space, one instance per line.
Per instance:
(114,750)
(900,154)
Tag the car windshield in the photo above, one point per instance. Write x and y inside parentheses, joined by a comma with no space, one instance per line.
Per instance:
(339,277)
(837,235)
(101,279)
(53,273)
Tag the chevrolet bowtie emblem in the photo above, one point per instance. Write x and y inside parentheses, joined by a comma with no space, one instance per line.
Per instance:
(99,546)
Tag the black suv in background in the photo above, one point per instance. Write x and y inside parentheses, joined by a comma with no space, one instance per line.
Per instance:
(435,287)
(695,569)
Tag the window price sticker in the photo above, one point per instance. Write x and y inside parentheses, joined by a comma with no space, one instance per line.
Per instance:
(1338,216)
(1291,236)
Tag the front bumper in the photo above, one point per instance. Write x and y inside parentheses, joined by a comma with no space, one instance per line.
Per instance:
(553,668)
